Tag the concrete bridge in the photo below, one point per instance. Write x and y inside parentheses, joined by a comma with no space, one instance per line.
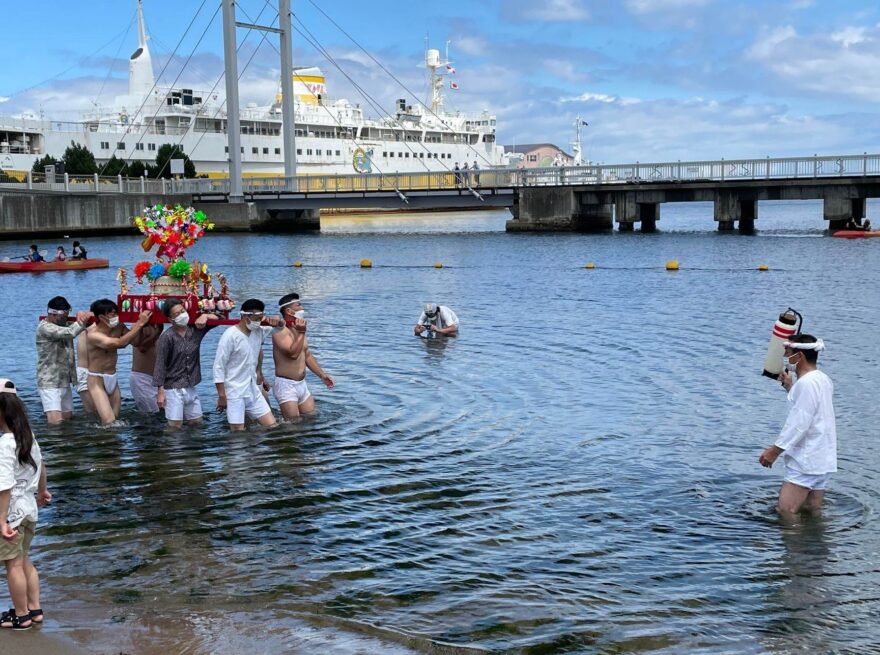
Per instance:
(583,198)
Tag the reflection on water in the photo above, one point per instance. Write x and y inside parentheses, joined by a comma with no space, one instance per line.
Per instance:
(576,472)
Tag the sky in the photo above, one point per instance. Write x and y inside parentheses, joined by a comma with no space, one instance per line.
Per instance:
(657,80)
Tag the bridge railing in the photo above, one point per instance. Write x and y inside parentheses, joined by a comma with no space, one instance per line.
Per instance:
(679,171)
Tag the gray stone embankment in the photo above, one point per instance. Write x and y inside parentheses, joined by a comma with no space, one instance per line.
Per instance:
(25,213)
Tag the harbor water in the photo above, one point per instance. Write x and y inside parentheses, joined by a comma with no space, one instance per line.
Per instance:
(575,472)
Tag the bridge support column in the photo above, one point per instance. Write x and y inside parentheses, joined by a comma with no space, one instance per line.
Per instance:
(731,208)
(626,227)
(649,214)
(839,207)
(558,209)
(291,220)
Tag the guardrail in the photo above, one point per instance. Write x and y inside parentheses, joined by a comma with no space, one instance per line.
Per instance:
(489,178)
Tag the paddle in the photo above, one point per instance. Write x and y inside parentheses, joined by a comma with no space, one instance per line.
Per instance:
(43,254)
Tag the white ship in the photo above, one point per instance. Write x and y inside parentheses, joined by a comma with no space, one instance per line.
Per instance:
(332,137)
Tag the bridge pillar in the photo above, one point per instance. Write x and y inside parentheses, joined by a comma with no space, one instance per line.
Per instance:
(649,214)
(558,209)
(839,207)
(731,208)
(626,226)
(291,220)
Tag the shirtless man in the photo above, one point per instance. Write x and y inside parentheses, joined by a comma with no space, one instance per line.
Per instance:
(82,373)
(143,362)
(290,350)
(104,339)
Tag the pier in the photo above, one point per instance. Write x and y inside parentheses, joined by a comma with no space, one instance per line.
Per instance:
(583,198)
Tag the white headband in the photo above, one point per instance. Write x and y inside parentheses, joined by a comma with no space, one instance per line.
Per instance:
(818,345)
(290,302)
(58,312)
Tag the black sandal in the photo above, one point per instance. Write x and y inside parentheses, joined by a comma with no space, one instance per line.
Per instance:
(37,614)
(6,617)
(15,622)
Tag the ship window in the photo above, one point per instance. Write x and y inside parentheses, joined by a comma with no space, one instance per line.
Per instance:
(299,151)
(138,146)
(318,152)
(120,145)
(105,145)
(337,153)
(255,151)
(266,151)
(226,150)
(242,150)
(406,155)
(392,154)
(277,151)
(384,153)
(151,146)
(308,151)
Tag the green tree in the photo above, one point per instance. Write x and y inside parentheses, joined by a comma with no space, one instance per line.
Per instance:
(166,153)
(40,165)
(114,166)
(78,160)
(136,169)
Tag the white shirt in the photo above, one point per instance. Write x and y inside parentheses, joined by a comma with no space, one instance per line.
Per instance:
(21,478)
(235,364)
(809,436)
(443,319)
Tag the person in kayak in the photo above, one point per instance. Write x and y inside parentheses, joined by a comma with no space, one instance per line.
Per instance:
(34,255)
(60,255)
(78,251)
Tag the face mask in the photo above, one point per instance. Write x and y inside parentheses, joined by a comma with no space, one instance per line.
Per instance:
(253,326)
(113,322)
(301,314)
(181,320)
(791,368)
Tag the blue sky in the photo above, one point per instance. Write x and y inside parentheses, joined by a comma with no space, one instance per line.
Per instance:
(656,79)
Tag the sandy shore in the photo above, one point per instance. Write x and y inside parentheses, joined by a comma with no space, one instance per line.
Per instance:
(37,642)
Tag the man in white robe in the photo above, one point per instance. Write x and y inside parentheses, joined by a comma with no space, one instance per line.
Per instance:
(808,440)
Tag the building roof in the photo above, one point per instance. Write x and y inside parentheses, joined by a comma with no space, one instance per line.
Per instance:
(525,148)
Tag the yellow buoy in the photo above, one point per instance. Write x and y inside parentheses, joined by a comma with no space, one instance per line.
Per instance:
(590,265)
(438,265)
(366,263)
(763,267)
(297,264)
(672,265)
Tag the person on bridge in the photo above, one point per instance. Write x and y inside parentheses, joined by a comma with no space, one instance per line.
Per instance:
(291,353)
(809,437)
(465,174)
(457,172)
(476,169)
(56,365)
(437,318)
(237,373)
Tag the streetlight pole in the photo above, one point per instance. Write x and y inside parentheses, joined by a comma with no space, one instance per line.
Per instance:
(288,126)
(233,121)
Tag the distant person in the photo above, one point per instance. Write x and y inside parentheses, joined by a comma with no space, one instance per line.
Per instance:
(22,475)
(808,440)
(78,251)
(104,340)
(437,318)
(143,360)
(178,369)
(56,364)
(34,255)
(866,226)
(465,174)
(476,169)
(457,174)
(60,255)
(237,372)
(291,354)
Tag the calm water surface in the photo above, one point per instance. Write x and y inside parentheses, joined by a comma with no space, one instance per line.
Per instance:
(576,472)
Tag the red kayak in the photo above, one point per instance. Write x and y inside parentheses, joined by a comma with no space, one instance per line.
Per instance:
(39,267)
(855,234)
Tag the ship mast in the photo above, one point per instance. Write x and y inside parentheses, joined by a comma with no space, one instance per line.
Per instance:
(432,62)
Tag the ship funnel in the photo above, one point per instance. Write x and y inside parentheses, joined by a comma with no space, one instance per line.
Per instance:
(140,65)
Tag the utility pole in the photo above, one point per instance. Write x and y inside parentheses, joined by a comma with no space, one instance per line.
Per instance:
(233,121)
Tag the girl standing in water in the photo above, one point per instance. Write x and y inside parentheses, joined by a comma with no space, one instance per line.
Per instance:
(22,474)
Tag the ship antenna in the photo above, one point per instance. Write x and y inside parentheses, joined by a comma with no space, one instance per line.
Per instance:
(142,32)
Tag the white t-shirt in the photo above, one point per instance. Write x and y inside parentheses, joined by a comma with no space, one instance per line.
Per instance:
(235,364)
(443,319)
(809,436)
(21,478)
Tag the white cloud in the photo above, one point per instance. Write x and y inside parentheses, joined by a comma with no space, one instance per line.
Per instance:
(600,98)
(845,62)
(546,10)
(471,45)
(655,6)
(4,99)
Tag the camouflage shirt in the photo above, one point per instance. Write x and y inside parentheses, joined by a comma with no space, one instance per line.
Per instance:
(56,362)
